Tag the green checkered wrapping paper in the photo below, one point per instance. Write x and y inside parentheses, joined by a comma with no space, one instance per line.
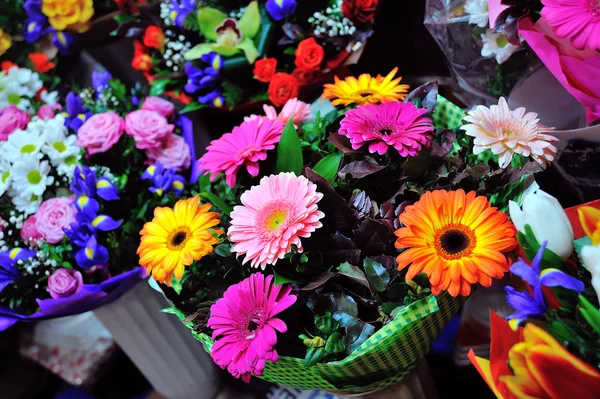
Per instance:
(393,352)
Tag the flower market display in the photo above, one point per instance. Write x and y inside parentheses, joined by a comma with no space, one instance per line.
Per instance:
(206,54)
(327,251)
(77,181)
(548,348)
(37,31)
(484,62)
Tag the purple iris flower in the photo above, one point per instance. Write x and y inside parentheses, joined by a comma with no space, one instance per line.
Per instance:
(76,113)
(100,82)
(163,180)
(85,183)
(526,305)
(88,214)
(213,98)
(8,265)
(79,232)
(36,23)
(180,9)
(92,254)
(62,41)
(279,9)
(214,62)
(199,78)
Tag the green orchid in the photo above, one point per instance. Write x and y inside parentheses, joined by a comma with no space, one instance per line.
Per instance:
(226,35)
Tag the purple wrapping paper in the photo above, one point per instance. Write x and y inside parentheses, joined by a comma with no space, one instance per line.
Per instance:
(88,298)
(187,129)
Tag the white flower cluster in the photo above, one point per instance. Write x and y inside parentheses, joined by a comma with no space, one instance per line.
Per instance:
(175,49)
(165,13)
(19,85)
(41,258)
(104,171)
(331,22)
(26,159)
(237,14)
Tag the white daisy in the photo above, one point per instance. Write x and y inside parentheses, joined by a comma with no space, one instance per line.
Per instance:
(58,144)
(478,12)
(496,45)
(12,93)
(49,97)
(5,176)
(22,143)
(67,166)
(31,176)
(28,79)
(27,204)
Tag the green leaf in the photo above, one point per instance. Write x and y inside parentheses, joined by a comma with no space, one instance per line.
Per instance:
(198,51)
(388,307)
(159,86)
(335,343)
(223,250)
(314,355)
(290,51)
(249,23)
(531,246)
(193,106)
(121,19)
(180,315)
(208,20)
(327,324)
(218,202)
(176,284)
(249,49)
(353,272)
(376,274)
(590,313)
(281,280)
(328,166)
(289,152)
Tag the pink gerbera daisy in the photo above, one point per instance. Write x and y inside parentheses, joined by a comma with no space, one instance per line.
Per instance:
(578,20)
(507,132)
(396,124)
(294,108)
(274,216)
(244,325)
(245,145)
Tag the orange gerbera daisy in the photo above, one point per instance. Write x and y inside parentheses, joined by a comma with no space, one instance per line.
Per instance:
(457,239)
(366,89)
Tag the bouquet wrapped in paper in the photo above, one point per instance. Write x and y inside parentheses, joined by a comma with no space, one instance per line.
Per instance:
(77,182)
(549,346)
(225,54)
(328,251)
(484,63)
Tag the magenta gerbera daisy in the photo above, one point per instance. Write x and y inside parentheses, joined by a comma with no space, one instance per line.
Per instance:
(245,145)
(578,20)
(244,325)
(396,124)
(274,216)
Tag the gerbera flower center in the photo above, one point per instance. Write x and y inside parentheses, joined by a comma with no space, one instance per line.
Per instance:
(34,177)
(27,149)
(365,93)
(178,238)
(251,323)
(59,146)
(455,241)
(275,220)
(594,6)
(274,217)
(245,153)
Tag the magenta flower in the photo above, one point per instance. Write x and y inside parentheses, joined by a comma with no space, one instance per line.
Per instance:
(396,124)
(244,325)
(578,20)
(274,216)
(245,145)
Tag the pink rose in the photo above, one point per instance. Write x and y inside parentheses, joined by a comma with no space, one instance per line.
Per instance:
(46,111)
(100,132)
(64,282)
(148,128)
(157,104)
(28,231)
(11,119)
(173,153)
(576,70)
(53,215)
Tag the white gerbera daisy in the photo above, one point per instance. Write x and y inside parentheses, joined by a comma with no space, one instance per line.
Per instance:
(478,12)
(5,177)
(22,143)
(27,204)
(31,176)
(496,45)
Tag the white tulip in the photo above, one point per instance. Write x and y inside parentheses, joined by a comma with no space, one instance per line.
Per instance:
(547,219)
(591,257)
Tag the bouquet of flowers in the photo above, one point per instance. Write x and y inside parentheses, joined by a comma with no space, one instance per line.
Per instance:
(339,245)
(39,30)
(485,64)
(549,346)
(75,189)
(564,35)
(217,54)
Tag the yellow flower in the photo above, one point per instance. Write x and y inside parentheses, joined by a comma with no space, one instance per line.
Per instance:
(5,42)
(366,89)
(176,237)
(69,14)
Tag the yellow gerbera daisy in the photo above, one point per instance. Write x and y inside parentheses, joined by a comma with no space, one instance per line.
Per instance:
(176,237)
(366,89)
